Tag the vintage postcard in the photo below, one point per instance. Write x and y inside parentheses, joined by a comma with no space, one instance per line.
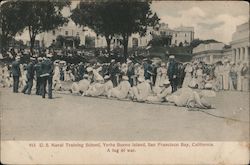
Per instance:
(124,82)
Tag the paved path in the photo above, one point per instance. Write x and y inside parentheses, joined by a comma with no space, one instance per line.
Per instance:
(70,117)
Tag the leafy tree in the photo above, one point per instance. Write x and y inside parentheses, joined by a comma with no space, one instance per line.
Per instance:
(161,40)
(41,16)
(97,16)
(122,18)
(131,17)
(10,23)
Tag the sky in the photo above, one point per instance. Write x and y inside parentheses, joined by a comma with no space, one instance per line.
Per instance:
(210,19)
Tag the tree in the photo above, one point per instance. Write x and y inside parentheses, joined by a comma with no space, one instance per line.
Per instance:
(97,16)
(131,17)
(122,18)
(10,23)
(41,16)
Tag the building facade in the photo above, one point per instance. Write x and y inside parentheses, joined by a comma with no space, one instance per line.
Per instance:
(180,35)
(240,43)
(209,53)
(237,51)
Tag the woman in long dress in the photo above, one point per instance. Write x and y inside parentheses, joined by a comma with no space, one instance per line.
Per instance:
(188,75)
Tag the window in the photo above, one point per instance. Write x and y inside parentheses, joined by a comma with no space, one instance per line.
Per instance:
(185,34)
(53,32)
(175,41)
(176,35)
(77,33)
(66,33)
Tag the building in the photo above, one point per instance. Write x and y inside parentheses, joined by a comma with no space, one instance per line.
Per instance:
(237,51)
(68,31)
(184,35)
(209,53)
(240,43)
(180,35)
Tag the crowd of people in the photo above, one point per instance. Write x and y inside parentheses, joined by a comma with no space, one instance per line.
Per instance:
(145,81)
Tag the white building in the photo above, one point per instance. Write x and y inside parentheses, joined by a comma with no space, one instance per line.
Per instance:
(209,53)
(69,30)
(184,35)
(240,43)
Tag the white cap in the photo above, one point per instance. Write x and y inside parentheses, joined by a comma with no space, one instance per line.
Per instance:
(106,77)
(129,61)
(89,69)
(49,55)
(163,64)
(39,58)
(18,57)
(172,56)
(112,60)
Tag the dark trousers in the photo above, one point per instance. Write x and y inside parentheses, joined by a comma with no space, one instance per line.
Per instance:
(114,80)
(28,86)
(15,84)
(38,86)
(174,83)
(47,80)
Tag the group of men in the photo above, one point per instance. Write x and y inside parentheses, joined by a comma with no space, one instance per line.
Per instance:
(42,71)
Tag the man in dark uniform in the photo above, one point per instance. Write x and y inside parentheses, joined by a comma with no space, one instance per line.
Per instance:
(38,70)
(130,72)
(16,73)
(47,76)
(29,76)
(172,73)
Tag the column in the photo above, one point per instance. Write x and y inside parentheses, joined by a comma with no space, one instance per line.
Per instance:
(242,53)
(246,53)
(211,60)
(234,55)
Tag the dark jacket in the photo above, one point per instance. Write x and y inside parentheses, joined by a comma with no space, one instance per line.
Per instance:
(47,67)
(172,69)
(16,69)
(38,69)
(30,71)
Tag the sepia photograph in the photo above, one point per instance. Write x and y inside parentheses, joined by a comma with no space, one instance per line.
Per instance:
(124,82)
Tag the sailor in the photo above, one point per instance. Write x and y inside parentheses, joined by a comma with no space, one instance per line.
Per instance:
(16,73)
(29,76)
(122,90)
(38,71)
(47,76)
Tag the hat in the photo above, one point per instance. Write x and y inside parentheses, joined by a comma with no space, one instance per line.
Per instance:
(208,86)
(145,59)
(125,77)
(44,58)
(32,58)
(85,76)
(172,56)
(106,77)
(163,64)
(89,69)
(49,55)
(140,79)
(129,61)
(39,58)
(166,82)
(112,60)
(61,62)
(18,57)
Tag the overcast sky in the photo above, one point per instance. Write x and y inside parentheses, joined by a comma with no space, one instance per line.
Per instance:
(211,20)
